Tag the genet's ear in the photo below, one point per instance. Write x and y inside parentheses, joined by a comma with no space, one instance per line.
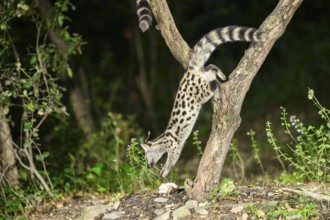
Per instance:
(145,147)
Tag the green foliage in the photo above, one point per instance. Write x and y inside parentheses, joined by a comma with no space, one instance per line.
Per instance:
(105,164)
(20,202)
(225,187)
(30,94)
(197,142)
(256,149)
(237,162)
(309,148)
(301,209)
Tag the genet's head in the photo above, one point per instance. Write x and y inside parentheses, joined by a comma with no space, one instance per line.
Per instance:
(152,152)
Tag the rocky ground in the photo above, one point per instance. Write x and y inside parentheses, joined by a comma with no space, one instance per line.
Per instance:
(263,202)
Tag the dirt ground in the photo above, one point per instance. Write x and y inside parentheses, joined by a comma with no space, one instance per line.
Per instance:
(140,205)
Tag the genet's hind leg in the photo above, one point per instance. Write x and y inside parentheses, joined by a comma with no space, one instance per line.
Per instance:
(216,70)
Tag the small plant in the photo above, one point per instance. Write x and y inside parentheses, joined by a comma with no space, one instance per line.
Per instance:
(225,188)
(256,149)
(309,149)
(237,161)
(139,172)
(197,142)
(303,210)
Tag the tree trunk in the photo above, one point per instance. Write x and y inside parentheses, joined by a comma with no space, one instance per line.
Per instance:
(228,103)
(226,117)
(8,169)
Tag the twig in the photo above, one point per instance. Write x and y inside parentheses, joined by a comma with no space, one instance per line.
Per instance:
(34,170)
(315,196)
(3,173)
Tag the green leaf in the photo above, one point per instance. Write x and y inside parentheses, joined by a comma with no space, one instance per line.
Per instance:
(70,73)
(101,189)
(96,170)
(28,125)
(30,106)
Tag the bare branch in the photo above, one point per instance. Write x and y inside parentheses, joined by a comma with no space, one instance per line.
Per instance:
(315,196)
(33,170)
(179,48)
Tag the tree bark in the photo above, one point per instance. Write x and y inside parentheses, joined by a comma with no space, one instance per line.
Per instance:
(228,103)
(8,168)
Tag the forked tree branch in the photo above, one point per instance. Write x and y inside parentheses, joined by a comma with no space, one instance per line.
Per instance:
(178,46)
(227,104)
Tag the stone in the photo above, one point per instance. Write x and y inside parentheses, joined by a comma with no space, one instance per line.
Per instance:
(164,216)
(116,205)
(181,213)
(245,216)
(160,199)
(159,211)
(201,211)
(167,188)
(169,207)
(190,204)
(91,212)
(237,209)
(113,215)
(203,204)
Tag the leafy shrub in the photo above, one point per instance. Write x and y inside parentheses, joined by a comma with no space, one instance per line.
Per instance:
(309,146)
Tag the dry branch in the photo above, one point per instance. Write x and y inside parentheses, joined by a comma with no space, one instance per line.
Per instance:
(315,196)
(179,48)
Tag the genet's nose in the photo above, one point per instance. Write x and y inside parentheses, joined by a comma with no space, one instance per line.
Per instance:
(150,165)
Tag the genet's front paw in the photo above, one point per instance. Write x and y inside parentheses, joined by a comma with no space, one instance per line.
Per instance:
(165,171)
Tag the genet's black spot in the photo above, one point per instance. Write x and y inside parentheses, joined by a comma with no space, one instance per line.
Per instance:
(176,104)
(177,131)
(183,104)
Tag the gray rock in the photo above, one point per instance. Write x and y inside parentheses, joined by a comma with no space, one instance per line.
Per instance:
(116,205)
(160,199)
(164,216)
(181,213)
(245,216)
(113,215)
(159,211)
(201,211)
(190,204)
(237,209)
(169,207)
(91,212)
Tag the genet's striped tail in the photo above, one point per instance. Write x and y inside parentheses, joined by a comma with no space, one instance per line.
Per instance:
(144,14)
(209,42)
